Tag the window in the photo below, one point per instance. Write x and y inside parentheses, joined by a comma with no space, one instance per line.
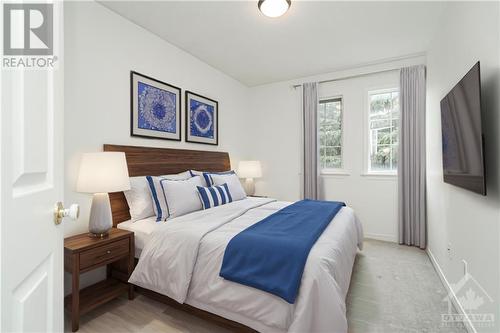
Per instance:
(330,133)
(383,131)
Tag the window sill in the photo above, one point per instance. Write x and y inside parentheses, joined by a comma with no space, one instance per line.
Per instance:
(334,173)
(380,175)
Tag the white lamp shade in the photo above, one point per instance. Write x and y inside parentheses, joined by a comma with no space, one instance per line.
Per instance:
(249,169)
(103,173)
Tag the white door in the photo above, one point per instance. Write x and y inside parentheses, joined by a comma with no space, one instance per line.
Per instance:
(31,182)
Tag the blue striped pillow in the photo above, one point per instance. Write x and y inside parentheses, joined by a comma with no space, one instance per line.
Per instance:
(208,176)
(214,196)
(160,207)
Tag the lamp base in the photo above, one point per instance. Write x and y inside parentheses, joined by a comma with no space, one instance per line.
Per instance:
(100,220)
(100,236)
(249,186)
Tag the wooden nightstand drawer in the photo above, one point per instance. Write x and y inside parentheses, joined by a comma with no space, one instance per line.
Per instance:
(106,253)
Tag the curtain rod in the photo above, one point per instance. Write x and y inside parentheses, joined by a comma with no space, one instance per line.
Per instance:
(352,76)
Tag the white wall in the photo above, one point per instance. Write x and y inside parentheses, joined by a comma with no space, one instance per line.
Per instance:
(101,48)
(469,222)
(374,198)
(278,108)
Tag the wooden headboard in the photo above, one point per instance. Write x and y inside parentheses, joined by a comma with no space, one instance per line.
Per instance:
(146,161)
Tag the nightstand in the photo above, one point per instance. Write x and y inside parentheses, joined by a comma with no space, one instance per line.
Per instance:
(83,253)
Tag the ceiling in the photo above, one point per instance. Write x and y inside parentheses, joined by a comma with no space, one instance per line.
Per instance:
(311,38)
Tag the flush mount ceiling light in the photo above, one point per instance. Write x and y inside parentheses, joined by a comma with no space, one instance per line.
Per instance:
(274,8)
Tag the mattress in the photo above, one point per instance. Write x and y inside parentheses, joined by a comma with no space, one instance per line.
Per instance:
(142,230)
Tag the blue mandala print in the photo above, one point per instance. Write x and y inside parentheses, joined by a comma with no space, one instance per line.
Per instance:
(202,119)
(157,109)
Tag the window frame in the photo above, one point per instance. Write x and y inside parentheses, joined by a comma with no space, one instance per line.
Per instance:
(366,151)
(341,170)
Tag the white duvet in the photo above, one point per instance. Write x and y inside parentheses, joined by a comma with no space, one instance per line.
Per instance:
(183,257)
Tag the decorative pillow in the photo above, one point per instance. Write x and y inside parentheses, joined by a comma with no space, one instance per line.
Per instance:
(199,173)
(178,197)
(230,178)
(155,190)
(139,199)
(208,176)
(214,195)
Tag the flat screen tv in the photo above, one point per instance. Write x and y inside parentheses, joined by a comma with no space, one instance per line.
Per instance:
(463,145)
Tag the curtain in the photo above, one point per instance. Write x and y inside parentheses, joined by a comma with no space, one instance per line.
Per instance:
(310,114)
(411,165)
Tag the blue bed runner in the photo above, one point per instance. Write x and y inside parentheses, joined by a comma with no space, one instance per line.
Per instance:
(271,254)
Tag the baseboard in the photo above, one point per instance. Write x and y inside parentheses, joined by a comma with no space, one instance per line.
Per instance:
(454,300)
(382,237)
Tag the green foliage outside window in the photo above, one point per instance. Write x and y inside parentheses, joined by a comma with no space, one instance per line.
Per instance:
(384,131)
(330,133)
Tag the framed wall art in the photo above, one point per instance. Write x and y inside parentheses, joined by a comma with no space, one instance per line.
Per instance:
(202,117)
(155,108)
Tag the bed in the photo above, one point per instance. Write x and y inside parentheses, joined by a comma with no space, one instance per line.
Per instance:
(180,260)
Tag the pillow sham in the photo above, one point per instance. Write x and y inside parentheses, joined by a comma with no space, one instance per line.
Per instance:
(155,190)
(199,173)
(208,176)
(214,195)
(139,199)
(178,197)
(230,178)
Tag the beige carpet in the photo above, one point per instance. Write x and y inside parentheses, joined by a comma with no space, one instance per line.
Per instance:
(393,289)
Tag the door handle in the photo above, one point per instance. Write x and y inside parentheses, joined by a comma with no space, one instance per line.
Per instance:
(60,212)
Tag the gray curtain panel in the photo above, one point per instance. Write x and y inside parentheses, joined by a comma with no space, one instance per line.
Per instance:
(411,165)
(310,114)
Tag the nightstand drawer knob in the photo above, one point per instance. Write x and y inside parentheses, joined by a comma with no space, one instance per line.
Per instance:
(108,251)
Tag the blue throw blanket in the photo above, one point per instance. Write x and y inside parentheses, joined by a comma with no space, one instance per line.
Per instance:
(271,254)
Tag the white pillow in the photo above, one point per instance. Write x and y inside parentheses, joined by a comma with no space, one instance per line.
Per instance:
(199,173)
(155,187)
(179,197)
(231,179)
(139,199)
(179,176)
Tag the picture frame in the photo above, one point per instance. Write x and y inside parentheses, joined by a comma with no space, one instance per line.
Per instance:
(155,108)
(201,119)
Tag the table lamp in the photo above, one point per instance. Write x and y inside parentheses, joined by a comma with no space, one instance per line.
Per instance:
(249,170)
(101,173)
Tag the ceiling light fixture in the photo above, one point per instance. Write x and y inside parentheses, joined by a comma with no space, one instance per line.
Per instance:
(274,8)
